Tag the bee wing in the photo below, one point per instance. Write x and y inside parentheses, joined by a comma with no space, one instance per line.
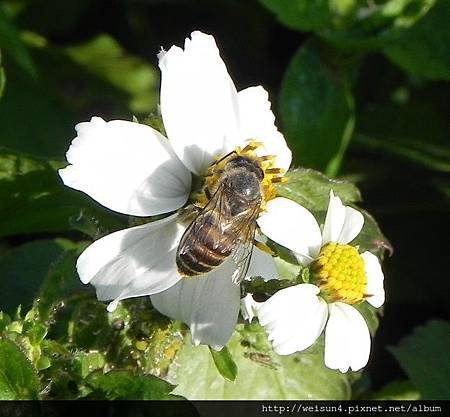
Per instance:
(235,233)
(245,228)
(215,217)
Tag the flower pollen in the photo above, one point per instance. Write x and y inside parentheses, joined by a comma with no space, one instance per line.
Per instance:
(340,274)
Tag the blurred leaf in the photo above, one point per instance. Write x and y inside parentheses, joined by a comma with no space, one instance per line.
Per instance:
(350,23)
(35,331)
(22,271)
(411,124)
(75,83)
(262,374)
(316,110)
(302,15)
(89,326)
(224,363)
(311,189)
(397,391)
(33,199)
(369,25)
(422,153)
(2,76)
(33,117)
(11,43)
(89,362)
(61,282)
(18,379)
(125,385)
(424,357)
(424,49)
(5,320)
(104,57)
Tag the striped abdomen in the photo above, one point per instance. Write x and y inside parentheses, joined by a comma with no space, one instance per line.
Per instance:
(204,246)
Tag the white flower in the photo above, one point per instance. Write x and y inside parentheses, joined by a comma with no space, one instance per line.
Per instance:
(133,169)
(296,316)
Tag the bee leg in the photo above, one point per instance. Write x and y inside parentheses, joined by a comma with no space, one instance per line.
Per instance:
(275,171)
(278,179)
(263,247)
(222,159)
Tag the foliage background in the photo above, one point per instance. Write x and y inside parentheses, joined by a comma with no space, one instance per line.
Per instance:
(361,92)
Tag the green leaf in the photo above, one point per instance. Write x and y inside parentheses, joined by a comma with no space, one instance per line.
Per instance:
(11,43)
(302,15)
(2,76)
(33,199)
(371,238)
(89,326)
(125,385)
(262,374)
(103,57)
(60,283)
(409,122)
(89,362)
(316,110)
(364,26)
(38,116)
(420,152)
(424,357)
(397,391)
(35,331)
(350,23)
(311,189)
(34,118)
(22,271)
(18,379)
(224,363)
(5,320)
(424,49)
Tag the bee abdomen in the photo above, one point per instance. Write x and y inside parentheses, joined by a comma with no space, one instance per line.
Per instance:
(211,249)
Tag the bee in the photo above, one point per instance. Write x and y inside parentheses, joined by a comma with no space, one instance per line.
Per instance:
(226,225)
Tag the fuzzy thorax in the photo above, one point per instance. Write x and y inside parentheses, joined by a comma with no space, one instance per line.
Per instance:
(271,174)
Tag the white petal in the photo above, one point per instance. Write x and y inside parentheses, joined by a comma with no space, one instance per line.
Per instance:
(128,167)
(262,265)
(334,220)
(208,304)
(353,223)
(294,318)
(198,101)
(342,223)
(375,278)
(292,226)
(249,307)
(347,339)
(258,122)
(133,262)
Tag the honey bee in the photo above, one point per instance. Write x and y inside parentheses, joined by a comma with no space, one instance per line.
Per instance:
(226,225)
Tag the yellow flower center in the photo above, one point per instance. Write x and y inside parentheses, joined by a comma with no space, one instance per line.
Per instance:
(339,273)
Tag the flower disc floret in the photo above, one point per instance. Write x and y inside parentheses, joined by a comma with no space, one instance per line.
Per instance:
(339,273)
